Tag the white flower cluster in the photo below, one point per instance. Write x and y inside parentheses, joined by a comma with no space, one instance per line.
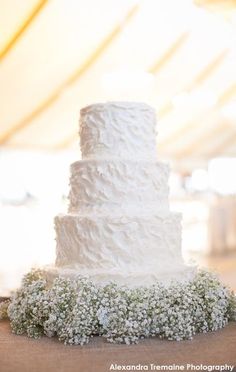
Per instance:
(3,309)
(75,310)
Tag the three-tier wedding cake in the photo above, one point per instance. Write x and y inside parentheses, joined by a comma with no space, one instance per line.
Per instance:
(119,226)
(119,247)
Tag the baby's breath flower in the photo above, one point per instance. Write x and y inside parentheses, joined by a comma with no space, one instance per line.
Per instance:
(3,309)
(75,310)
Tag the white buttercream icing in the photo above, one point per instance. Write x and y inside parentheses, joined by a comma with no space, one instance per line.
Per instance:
(130,186)
(119,226)
(118,129)
(127,243)
(144,277)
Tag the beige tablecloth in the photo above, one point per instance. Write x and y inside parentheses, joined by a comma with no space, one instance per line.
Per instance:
(21,354)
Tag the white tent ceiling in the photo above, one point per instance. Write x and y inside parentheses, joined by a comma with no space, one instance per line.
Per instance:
(59,55)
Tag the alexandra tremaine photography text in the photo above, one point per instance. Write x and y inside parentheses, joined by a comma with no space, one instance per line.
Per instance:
(171,367)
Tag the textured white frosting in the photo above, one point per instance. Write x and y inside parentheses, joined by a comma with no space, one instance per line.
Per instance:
(127,186)
(127,250)
(118,129)
(119,226)
(123,242)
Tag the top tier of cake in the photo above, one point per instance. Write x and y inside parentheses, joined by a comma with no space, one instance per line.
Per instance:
(118,130)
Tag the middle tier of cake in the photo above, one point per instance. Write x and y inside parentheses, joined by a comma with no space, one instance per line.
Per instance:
(128,243)
(115,186)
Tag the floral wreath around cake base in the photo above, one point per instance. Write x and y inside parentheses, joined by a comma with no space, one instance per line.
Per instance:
(75,310)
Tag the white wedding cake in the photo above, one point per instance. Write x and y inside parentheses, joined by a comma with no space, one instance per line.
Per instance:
(119,226)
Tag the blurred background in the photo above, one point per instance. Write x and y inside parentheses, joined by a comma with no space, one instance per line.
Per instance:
(57,56)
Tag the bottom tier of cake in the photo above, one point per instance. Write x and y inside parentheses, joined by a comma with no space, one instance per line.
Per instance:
(132,278)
